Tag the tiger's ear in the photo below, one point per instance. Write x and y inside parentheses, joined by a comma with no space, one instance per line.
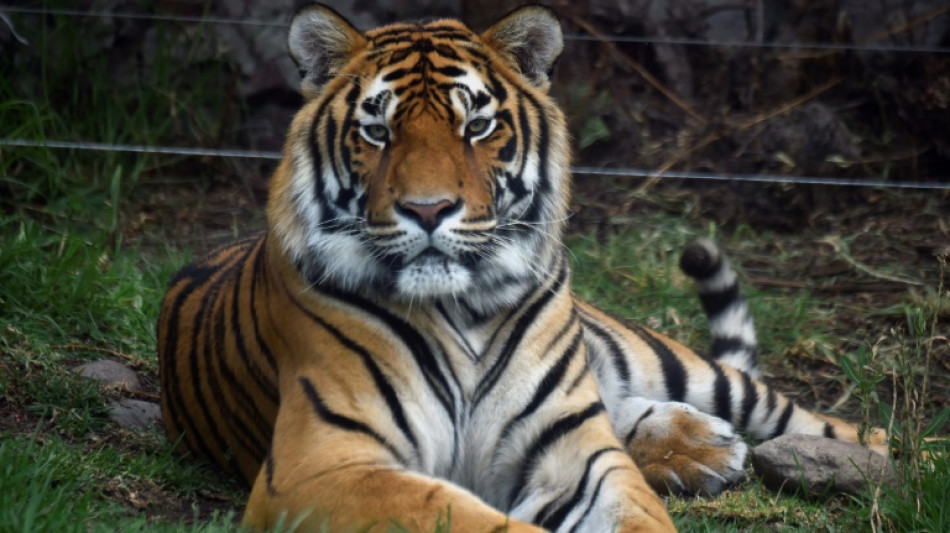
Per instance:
(320,42)
(531,39)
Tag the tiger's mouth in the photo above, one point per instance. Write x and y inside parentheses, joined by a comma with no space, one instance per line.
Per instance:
(433,273)
(433,254)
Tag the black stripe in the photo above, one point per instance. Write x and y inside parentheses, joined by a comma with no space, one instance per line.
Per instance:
(545,440)
(614,351)
(260,271)
(517,183)
(253,369)
(750,398)
(314,141)
(202,277)
(583,372)
(269,473)
(406,31)
(412,339)
(382,384)
(715,302)
(722,393)
(220,374)
(204,316)
(593,498)
(343,422)
(480,100)
(674,372)
(197,275)
(771,402)
(447,51)
(451,34)
(556,518)
(782,423)
(506,154)
(180,417)
(552,378)
(450,71)
(482,60)
(829,431)
(396,74)
(628,439)
(515,337)
(458,333)
(346,126)
(544,183)
(728,345)
(695,262)
(498,89)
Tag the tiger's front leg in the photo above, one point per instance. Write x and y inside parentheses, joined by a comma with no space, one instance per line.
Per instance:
(327,471)
(678,413)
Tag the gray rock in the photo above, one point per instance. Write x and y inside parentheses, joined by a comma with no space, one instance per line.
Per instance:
(135,414)
(112,374)
(820,466)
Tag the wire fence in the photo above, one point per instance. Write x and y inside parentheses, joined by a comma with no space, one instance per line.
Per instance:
(647,39)
(936,183)
(589,171)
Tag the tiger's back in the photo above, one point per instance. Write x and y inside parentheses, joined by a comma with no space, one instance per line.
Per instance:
(218,373)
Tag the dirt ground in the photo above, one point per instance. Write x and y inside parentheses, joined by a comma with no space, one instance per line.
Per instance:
(892,238)
(861,253)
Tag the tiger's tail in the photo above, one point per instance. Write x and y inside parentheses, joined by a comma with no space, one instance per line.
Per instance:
(733,330)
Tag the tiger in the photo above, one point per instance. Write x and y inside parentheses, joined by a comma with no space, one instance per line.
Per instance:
(401,344)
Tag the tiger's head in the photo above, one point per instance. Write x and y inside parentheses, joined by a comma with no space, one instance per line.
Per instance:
(428,161)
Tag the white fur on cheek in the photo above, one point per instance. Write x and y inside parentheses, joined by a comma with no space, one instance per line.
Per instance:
(334,256)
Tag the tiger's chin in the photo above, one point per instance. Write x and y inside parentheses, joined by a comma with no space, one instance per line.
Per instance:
(432,276)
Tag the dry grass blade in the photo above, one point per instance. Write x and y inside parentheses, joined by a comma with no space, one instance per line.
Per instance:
(842,251)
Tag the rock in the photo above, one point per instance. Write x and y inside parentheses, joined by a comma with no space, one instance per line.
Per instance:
(135,414)
(811,136)
(112,374)
(820,466)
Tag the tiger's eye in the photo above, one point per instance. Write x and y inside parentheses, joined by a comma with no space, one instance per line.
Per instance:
(377,132)
(477,126)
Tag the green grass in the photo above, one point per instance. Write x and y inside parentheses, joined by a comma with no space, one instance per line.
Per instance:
(73,289)
(49,484)
(67,300)
(634,275)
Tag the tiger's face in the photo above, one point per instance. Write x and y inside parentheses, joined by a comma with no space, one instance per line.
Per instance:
(429,161)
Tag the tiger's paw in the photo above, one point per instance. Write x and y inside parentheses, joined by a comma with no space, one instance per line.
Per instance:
(681,450)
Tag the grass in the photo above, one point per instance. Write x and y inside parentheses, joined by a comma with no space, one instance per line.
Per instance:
(75,288)
(633,275)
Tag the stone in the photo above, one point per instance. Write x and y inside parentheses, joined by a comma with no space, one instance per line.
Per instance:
(135,414)
(112,374)
(820,466)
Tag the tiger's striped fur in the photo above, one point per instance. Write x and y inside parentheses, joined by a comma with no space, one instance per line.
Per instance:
(401,344)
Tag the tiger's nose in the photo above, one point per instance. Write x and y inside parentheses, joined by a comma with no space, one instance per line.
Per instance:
(429,215)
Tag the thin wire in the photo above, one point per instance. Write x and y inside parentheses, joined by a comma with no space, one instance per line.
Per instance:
(764,178)
(142,16)
(938,184)
(776,45)
(142,149)
(570,37)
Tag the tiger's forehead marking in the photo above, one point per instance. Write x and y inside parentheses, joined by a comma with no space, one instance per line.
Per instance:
(425,65)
